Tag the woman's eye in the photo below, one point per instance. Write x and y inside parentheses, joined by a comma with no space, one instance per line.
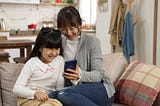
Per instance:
(72,28)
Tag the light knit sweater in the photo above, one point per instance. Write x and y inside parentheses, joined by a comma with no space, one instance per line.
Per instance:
(89,59)
(37,75)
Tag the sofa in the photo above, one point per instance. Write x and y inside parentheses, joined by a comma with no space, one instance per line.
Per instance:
(115,66)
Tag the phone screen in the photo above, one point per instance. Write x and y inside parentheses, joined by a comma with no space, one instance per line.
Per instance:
(70,64)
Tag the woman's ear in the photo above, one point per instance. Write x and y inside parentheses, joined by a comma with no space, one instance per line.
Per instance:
(40,49)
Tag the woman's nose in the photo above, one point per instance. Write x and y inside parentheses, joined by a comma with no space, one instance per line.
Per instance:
(68,31)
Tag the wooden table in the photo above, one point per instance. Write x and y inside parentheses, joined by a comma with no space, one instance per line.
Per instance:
(21,44)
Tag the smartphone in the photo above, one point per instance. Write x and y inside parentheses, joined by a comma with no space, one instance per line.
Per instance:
(70,64)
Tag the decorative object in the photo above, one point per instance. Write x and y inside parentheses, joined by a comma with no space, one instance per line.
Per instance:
(102,5)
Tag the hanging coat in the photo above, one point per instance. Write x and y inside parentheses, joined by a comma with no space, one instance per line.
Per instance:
(127,38)
(117,22)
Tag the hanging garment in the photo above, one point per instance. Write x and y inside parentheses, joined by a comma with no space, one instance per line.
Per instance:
(127,38)
(117,22)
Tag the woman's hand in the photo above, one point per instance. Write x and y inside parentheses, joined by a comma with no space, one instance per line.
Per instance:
(41,96)
(72,74)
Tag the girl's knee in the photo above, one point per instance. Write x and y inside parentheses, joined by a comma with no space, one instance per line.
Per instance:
(52,102)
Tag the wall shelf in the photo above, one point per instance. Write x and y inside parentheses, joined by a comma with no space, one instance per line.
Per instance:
(59,4)
(55,4)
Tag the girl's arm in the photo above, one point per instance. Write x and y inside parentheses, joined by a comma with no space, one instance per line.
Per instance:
(20,88)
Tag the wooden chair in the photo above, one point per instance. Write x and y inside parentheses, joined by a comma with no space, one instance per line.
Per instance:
(20,59)
(4,56)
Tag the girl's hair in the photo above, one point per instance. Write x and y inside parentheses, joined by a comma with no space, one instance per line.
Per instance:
(68,17)
(47,38)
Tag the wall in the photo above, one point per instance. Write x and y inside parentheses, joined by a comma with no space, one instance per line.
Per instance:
(18,16)
(143,31)
(102,27)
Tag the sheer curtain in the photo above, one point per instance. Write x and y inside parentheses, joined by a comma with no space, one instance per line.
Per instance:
(87,9)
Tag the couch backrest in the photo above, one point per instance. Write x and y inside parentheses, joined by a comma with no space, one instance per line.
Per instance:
(114,64)
(8,74)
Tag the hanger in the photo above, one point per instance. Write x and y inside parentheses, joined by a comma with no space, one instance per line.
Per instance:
(129,4)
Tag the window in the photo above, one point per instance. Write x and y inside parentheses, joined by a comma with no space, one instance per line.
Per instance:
(87,9)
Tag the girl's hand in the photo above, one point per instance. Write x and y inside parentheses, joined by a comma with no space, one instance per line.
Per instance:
(41,96)
(72,74)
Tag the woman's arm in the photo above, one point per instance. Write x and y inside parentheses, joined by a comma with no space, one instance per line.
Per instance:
(94,72)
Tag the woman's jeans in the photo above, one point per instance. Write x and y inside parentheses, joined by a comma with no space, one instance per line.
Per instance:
(89,94)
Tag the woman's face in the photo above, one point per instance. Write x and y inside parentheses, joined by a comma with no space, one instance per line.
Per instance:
(70,32)
(48,54)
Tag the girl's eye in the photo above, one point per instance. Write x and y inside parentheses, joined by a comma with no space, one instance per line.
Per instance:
(50,48)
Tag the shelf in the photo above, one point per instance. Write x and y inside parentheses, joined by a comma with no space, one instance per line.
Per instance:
(59,4)
(55,4)
(89,31)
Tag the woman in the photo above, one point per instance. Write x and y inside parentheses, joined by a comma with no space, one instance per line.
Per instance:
(94,88)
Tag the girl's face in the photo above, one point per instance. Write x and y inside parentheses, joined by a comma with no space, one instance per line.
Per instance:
(70,32)
(48,54)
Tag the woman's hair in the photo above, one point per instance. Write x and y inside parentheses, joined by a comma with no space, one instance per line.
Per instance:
(68,17)
(47,38)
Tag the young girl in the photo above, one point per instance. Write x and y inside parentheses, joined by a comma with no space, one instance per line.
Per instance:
(42,73)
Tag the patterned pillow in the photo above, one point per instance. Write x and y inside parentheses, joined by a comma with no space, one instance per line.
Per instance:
(139,85)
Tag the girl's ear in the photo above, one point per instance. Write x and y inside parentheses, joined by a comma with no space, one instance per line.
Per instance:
(58,51)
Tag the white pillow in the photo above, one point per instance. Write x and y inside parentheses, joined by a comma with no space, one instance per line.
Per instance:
(114,64)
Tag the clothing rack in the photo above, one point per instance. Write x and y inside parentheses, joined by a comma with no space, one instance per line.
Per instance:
(129,4)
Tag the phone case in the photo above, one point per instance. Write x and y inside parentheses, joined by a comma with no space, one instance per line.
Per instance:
(70,64)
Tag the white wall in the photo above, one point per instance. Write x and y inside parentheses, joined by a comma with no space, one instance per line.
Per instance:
(18,16)
(143,34)
(102,27)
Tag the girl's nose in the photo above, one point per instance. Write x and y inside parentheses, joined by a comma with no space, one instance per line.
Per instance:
(55,52)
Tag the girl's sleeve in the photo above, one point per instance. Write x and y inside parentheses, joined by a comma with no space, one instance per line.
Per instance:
(20,88)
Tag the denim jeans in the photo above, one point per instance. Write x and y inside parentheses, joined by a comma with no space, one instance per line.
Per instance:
(89,94)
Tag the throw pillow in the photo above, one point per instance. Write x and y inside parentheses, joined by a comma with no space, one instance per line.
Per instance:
(114,64)
(9,73)
(157,101)
(139,85)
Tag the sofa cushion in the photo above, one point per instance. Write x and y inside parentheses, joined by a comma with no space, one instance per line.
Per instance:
(114,64)
(9,73)
(139,85)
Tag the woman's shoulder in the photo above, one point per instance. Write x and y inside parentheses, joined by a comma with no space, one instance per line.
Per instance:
(89,37)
